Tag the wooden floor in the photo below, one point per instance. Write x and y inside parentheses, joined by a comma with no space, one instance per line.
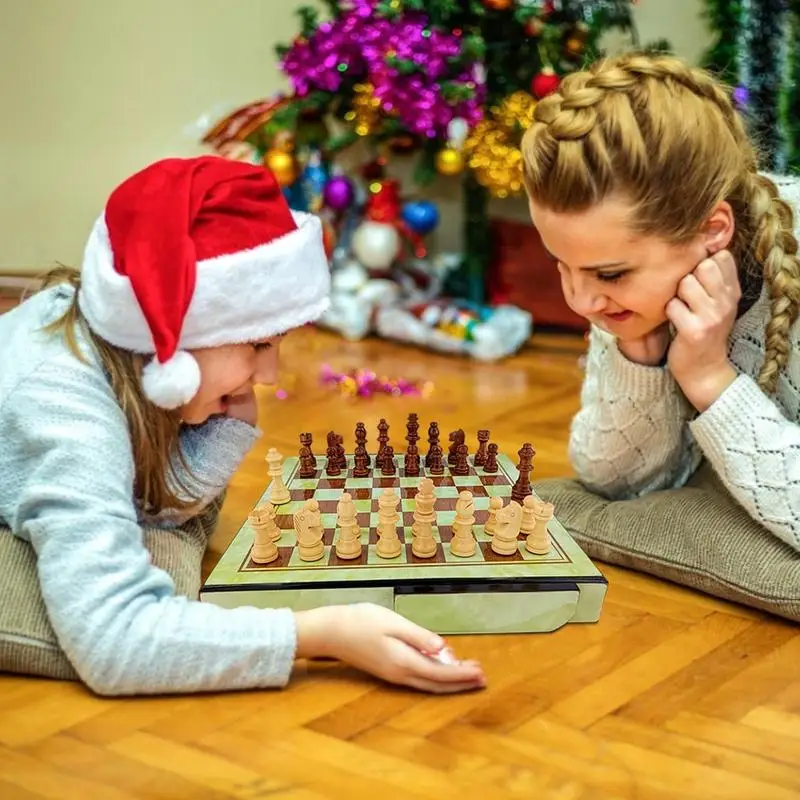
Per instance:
(670,695)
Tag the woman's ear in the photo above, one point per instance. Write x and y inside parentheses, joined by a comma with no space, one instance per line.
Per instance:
(717,233)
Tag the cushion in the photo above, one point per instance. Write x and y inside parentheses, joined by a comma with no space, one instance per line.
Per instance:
(28,644)
(697,536)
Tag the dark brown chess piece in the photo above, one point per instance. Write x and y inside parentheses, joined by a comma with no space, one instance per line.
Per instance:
(433,439)
(308,464)
(361,438)
(306,440)
(383,438)
(411,465)
(461,467)
(332,464)
(341,452)
(361,458)
(522,487)
(480,453)
(456,440)
(412,429)
(491,459)
(437,460)
(388,467)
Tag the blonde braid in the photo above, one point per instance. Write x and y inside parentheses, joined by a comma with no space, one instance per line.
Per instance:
(775,247)
(638,125)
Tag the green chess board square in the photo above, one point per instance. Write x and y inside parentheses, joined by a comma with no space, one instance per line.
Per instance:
(463,481)
(445,517)
(304,483)
(475,558)
(407,504)
(408,482)
(363,506)
(503,490)
(358,483)
(296,561)
(446,491)
(481,503)
(328,494)
(328,520)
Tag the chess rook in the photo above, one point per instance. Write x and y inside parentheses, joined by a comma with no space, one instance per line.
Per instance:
(538,540)
(265,534)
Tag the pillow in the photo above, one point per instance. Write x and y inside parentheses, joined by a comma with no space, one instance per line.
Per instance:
(697,536)
(28,644)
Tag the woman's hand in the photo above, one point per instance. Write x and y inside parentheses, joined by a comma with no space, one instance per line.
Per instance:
(385,644)
(703,314)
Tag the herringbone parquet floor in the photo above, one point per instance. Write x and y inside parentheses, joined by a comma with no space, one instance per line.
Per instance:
(670,695)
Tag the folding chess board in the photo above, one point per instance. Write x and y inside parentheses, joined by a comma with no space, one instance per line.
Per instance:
(482,593)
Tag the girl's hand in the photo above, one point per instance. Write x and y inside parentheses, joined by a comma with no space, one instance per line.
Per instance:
(650,349)
(703,314)
(385,644)
(243,406)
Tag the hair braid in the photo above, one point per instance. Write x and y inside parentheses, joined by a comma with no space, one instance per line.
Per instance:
(636,126)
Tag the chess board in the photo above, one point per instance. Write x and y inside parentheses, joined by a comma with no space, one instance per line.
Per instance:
(482,593)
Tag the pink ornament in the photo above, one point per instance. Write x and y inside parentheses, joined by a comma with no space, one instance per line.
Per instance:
(339,193)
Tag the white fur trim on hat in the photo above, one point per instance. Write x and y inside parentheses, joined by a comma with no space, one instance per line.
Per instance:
(173,383)
(238,297)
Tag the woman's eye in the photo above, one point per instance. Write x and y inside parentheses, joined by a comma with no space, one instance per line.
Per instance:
(609,277)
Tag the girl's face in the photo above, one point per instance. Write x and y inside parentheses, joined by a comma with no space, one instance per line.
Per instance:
(619,282)
(229,371)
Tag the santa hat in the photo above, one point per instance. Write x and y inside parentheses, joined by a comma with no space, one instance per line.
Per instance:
(194,253)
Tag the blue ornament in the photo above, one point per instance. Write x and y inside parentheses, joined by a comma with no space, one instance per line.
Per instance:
(421,216)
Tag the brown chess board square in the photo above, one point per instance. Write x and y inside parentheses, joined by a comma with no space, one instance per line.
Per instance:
(489,555)
(285,522)
(331,483)
(442,480)
(328,506)
(301,495)
(437,558)
(445,532)
(284,554)
(360,561)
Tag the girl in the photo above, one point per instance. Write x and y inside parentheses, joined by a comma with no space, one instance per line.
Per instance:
(645,190)
(126,399)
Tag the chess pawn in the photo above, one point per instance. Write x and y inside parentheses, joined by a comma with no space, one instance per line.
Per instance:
(361,462)
(389,545)
(491,459)
(411,463)
(463,542)
(388,466)
(529,507)
(266,533)
(538,540)
(309,531)
(506,532)
(278,493)
(495,504)
(461,466)
(348,544)
(423,544)
(308,464)
(436,467)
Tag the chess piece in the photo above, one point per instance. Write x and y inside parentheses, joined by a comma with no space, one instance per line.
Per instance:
(361,459)
(461,465)
(265,533)
(522,486)
(538,541)
(340,452)
(506,532)
(463,542)
(491,459)
(456,440)
(423,544)
(309,531)
(308,463)
(412,429)
(495,504)
(361,440)
(383,438)
(389,545)
(278,493)
(411,465)
(333,464)
(529,507)
(433,440)
(388,466)
(436,466)
(348,545)
(480,453)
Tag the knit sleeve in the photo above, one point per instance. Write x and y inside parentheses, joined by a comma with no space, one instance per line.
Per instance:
(210,455)
(66,456)
(755,450)
(630,435)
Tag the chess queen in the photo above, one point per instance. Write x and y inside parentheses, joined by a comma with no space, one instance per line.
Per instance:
(126,404)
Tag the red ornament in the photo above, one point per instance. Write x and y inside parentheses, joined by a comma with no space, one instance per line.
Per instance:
(546,82)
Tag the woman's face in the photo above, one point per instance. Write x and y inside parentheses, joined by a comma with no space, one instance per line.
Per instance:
(228,372)
(619,281)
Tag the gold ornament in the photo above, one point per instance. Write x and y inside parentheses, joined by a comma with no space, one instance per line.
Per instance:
(449,161)
(497,5)
(495,159)
(366,112)
(516,111)
(282,164)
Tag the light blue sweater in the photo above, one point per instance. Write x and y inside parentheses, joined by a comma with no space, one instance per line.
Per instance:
(66,486)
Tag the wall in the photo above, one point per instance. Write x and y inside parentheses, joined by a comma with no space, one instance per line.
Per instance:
(92,91)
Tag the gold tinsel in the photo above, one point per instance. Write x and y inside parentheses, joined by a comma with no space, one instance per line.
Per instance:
(492,146)
(365,114)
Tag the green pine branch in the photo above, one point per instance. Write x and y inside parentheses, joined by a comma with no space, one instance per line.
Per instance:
(724,18)
(309,19)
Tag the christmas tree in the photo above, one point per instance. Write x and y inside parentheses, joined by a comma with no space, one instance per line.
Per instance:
(756,50)
(450,83)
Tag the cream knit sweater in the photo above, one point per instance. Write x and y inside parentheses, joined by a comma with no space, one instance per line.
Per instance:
(636,432)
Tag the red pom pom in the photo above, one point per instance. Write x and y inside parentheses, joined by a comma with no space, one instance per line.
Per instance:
(545,83)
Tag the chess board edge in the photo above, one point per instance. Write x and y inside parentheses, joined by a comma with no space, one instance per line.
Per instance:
(537,594)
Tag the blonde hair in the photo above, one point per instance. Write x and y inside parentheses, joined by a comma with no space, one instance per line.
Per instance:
(666,138)
(154,431)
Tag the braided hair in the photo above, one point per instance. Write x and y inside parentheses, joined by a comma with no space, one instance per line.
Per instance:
(666,137)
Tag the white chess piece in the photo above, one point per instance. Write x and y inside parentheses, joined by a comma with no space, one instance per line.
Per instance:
(278,493)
